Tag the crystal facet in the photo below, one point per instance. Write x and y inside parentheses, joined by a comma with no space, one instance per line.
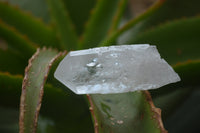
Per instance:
(115,69)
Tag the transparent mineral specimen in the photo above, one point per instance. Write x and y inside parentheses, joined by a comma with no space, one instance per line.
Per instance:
(115,69)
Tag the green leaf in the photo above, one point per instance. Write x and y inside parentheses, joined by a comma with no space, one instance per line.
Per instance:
(9,120)
(189,74)
(170,10)
(186,118)
(161,12)
(16,41)
(74,107)
(10,58)
(37,7)
(9,96)
(169,102)
(79,12)
(78,17)
(176,41)
(32,89)
(10,85)
(125,112)
(170,97)
(34,29)
(100,22)
(118,16)
(69,112)
(9,80)
(63,24)
(56,104)
(112,38)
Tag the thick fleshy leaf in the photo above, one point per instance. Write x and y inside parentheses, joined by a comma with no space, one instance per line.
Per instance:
(112,38)
(168,11)
(171,96)
(10,83)
(16,41)
(10,58)
(99,23)
(79,12)
(63,24)
(27,25)
(56,104)
(9,96)
(74,107)
(162,11)
(176,41)
(9,120)
(179,101)
(32,89)
(189,74)
(185,119)
(126,112)
(169,102)
(118,16)
(168,98)
(68,112)
(37,7)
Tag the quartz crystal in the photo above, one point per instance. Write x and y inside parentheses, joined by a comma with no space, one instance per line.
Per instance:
(115,69)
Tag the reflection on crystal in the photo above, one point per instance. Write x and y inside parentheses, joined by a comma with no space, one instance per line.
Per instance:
(115,69)
(93,66)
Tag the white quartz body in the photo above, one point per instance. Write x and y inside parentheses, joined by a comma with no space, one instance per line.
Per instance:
(115,69)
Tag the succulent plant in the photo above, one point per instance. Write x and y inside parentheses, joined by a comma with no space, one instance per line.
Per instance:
(36,46)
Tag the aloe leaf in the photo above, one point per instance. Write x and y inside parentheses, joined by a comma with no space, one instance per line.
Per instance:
(170,10)
(126,112)
(9,120)
(16,41)
(32,88)
(187,71)
(10,58)
(177,100)
(168,98)
(186,118)
(176,41)
(118,16)
(10,80)
(112,38)
(34,29)
(63,24)
(57,104)
(189,74)
(79,12)
(9,112)
(169,102)
(99,23)
(161,12)
(10,83)
(171,96)
(37,7)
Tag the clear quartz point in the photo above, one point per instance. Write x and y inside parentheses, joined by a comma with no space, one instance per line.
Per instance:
(115,69)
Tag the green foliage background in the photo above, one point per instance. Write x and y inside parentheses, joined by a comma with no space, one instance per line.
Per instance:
(173,26)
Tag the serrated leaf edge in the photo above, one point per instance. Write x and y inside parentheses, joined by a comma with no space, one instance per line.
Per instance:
(25,82)
(156,111)
(110,39)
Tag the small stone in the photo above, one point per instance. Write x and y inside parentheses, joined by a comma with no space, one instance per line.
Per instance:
(115,69)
